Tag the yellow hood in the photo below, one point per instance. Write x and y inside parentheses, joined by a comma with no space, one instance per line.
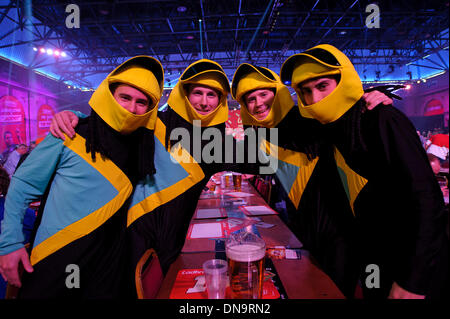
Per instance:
(142,72)
(324,60)
(204,72)
(248,78)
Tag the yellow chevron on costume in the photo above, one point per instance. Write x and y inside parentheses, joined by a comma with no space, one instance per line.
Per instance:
(298,159)
(353,182)
(193,169)
(95,219)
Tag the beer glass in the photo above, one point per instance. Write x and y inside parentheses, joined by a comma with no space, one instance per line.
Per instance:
(227,180)
(237,181)
(245,253)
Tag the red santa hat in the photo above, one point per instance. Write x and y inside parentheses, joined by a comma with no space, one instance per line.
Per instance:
(438,146)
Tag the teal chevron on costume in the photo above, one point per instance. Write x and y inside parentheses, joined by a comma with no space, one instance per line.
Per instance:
(168,172)
(286,173)
(101,192)
(344,180)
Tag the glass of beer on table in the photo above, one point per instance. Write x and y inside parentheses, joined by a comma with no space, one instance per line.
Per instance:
(245,253)
(237,181)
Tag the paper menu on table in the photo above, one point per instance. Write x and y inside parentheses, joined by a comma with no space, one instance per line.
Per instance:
(206,230)
(239,194)
(204,213)
(257,210)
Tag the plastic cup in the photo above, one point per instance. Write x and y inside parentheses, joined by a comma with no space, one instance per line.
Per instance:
(216,278)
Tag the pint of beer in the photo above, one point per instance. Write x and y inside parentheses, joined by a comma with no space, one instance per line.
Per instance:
(237,181)
(246,268)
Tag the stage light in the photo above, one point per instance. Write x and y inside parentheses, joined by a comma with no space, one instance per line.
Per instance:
(56,53)
(408,87)
(63,54)
(35,49)
(42,50)
(49,51)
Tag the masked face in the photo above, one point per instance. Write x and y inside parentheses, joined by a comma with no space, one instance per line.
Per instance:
(203,99)
(315,90)
(132,99)
(259,103)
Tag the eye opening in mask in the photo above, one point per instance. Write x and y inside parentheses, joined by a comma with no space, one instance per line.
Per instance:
(246,69)
(150,64)
(200,67)
(151,102)
(323,55)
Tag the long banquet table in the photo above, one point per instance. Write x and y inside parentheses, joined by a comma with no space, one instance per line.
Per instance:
(300,278)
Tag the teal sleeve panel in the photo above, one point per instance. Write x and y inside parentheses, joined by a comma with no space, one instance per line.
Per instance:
(77,190)
(27,184)
(79,114)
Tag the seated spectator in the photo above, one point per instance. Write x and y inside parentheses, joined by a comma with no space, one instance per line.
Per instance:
(423,140)
(10,146)
(13,159)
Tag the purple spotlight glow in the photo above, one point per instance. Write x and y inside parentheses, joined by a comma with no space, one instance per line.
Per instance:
(56,53)
(42,50)
(49,51)
(63,54)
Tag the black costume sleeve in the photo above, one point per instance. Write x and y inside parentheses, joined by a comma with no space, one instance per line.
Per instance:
(419,217)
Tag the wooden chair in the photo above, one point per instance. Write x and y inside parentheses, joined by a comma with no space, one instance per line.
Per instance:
(265,189)
(148,275)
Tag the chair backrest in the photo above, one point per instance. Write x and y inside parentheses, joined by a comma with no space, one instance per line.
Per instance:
(11,292)
(148,275)
(266,191)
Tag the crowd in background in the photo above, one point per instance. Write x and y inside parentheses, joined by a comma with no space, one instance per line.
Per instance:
(10,159)
(14,155)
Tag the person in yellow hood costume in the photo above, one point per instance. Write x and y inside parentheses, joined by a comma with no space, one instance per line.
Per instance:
(86,182)
(398,207)
(307,178)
